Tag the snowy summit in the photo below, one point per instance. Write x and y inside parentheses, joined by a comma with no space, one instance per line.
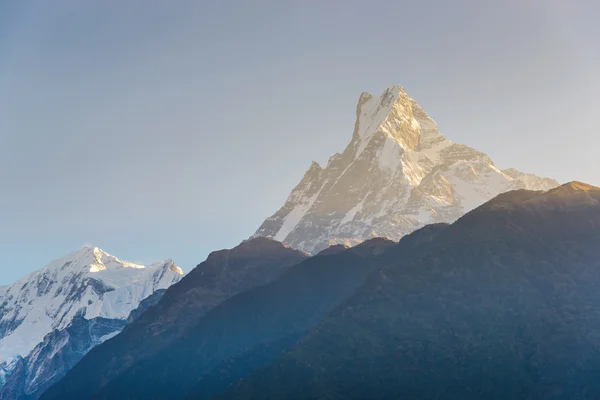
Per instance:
(88,282)
(397,174)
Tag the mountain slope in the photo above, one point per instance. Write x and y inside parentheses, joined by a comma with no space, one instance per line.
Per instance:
(52,317)
(502,305)
(223,275)
(242,333)
(61,350)
(270,317)
(397,174)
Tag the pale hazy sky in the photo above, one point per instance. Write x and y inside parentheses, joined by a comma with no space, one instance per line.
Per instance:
(167,129)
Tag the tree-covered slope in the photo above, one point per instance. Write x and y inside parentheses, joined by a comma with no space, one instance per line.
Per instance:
(504,305)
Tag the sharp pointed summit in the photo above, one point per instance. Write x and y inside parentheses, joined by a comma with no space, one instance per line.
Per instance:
(398,174)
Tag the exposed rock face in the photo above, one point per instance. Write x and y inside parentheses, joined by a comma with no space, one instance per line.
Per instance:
(51,318)
(397,174)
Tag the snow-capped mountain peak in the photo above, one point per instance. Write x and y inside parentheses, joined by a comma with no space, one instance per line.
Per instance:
(386,113)
(397,174)
(88,282)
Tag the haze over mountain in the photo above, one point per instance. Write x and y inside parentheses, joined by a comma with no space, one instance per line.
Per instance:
(397,174)
(52,317)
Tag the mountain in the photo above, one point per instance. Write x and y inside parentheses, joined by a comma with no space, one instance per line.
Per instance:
(54,316)
(223,275)
(237,336)
(242,333)
(502,304)
(61,350)
(397,174)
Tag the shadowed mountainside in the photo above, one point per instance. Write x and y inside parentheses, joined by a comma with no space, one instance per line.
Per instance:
(248,330)
(224,274)
(501,304)
(504,305)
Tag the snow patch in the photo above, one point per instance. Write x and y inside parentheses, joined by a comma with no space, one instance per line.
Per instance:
(352,213)
(295,216)
(389,155)
(109,336)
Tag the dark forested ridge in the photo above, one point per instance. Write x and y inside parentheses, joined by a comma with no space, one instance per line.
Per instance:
(271,317)
(505,305)
(502,304)
(243,333)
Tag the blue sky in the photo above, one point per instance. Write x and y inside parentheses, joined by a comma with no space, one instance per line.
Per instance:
(157,129)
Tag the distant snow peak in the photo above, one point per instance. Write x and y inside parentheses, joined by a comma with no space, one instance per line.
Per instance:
(94,259)
(88,281)
(397,174)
